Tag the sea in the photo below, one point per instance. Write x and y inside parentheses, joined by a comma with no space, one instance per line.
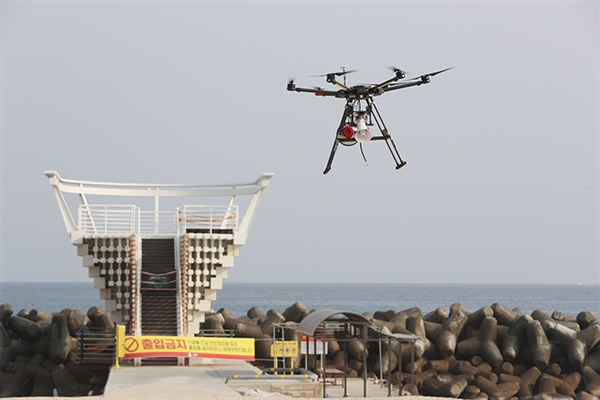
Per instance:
(355,297)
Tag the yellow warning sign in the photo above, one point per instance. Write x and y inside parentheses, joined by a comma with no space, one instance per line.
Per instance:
(288,348)
(192,347)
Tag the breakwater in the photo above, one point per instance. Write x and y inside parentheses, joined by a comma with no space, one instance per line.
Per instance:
(38,352)
(493,352)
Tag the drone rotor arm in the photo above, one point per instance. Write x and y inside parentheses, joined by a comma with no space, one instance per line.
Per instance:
(399,75)
(385,84)
(316,91)
(340,86)
(403,85)
(423,79)
(331,79)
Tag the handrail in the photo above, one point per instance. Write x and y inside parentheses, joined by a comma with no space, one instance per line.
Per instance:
(228,221)
(111,219)
(107,219)
(208,217)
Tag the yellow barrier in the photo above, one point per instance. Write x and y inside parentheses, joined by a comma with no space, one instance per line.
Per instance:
(190,347)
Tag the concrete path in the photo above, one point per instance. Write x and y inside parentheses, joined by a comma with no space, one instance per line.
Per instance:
(204,380)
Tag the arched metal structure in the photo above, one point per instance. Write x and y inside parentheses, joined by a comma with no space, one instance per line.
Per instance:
(355,326)
(314,320)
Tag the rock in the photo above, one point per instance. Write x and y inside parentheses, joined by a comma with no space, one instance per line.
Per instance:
(500,391)
(539,348)
(255,312)
(443,386)
(5,313)
(213,324)
(591,380)
(61,343)
(516,338)
(66,384)
(269,323)
(503,314)
(295,312)
(547,384)
(25,329)
(416,326)
(76,319)
(439,315)
(474,320)
(37,315)
(569,384)
(576,344)
(43,385)
(17,384)
(5,348)
(246,330)
(585,318)
(445,335)
(101,319)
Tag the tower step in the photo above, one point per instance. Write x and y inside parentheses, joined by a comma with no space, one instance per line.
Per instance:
(159,295)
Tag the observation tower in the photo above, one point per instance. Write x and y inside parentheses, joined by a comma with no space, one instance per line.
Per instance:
(158,270)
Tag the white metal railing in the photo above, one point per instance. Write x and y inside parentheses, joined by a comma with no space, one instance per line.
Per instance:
(89,223)
(155,223)
(125,219)
(208,218)
(107,219)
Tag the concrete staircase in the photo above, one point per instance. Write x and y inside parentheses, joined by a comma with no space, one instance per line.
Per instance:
(159,293)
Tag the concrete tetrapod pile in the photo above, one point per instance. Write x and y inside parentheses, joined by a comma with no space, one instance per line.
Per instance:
(37,352)
(491,353)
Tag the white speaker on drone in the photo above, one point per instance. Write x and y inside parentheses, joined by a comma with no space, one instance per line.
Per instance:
(363,134)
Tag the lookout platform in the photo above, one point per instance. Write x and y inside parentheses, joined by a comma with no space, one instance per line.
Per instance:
(158,269)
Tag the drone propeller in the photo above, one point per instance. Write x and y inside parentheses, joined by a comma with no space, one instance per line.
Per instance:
(340,73)
(439,72)
(398,71)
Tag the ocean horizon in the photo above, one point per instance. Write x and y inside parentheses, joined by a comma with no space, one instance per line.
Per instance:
(238,297)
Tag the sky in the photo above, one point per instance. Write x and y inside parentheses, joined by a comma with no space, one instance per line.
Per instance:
(501,184)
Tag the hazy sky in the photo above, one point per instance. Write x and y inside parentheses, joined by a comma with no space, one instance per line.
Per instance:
(502,179)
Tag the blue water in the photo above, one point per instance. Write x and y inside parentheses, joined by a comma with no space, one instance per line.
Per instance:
(570,299)
(50,296)
(359,298)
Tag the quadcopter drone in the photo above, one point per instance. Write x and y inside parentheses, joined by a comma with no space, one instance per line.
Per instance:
(357,116)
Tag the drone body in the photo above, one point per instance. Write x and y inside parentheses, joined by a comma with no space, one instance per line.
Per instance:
(361,112)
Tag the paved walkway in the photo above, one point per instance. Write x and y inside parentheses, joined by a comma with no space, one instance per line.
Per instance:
(204,380)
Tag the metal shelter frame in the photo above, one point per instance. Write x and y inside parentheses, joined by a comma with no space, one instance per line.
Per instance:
(353,326)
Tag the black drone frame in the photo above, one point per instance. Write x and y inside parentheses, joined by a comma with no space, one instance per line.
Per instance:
(355,96)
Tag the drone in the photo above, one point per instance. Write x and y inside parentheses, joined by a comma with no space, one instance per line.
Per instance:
(360,111)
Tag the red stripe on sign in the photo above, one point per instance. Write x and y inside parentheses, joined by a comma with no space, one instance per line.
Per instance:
(187,355)
(224,356)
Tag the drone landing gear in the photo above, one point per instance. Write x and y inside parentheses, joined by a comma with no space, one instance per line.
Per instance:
(348,110)
(372,114)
